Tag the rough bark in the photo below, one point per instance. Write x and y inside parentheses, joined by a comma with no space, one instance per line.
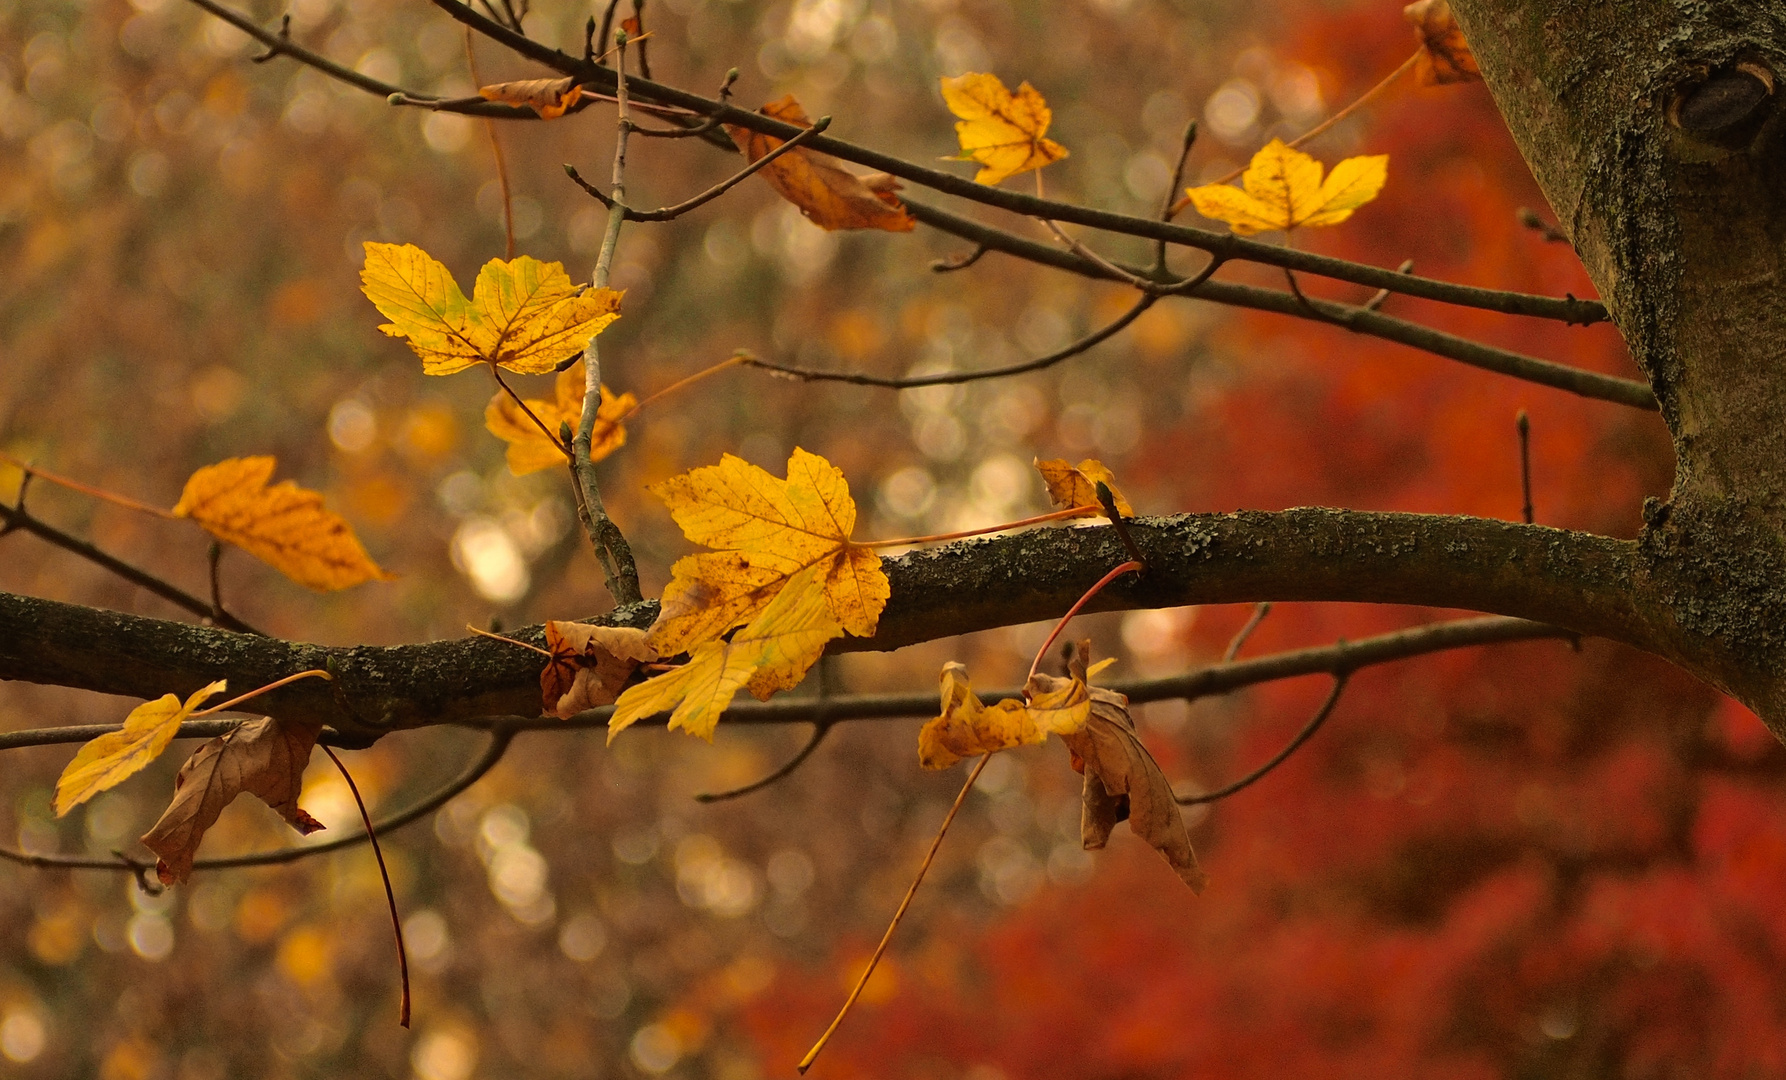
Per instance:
(1656,130)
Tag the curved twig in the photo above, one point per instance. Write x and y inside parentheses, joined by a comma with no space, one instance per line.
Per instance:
(500,738)
(820,729)
(951,378)
(1235,644)
(671,213)
(1307,732)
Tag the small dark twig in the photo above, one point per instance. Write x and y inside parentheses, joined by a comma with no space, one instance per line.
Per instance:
(589,41)
(215,557)
(1524,424)
(701,128)
(390,894)
(607,33)
(1240,638)
(1108,501)
(1530,219)
(275,50)
(1171,201)
(1307,732)
(953,377)
(959,262)
(820,729)
(1381,295)
(671,213)
(1307,305)
(644,39)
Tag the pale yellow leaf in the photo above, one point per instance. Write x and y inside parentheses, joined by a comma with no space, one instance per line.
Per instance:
(110,759)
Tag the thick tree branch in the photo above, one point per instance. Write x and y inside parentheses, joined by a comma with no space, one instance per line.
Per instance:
(1576,581)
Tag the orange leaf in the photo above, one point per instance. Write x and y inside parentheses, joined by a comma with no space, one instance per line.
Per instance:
(589,666)
(1077,485)
(284,526)
(1005,132)
(530,450)
(547,97)
(1445,56)
(830,197)
(264,757)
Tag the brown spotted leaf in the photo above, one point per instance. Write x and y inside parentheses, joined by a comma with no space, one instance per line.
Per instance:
(264,757)
(547,97)
(1445,56)
(590,665)
(829,196)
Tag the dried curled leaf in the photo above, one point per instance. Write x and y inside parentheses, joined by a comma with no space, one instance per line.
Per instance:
(773,652)
(547,97)
(264,757)
(768,530)
(966,728)
(284,526)
(1445,56)
(1077,485)
(589,665)
(523,315)
(1284,190)
(116,756)
(530,450)
(1005,132)
(1123,781)
(829,196)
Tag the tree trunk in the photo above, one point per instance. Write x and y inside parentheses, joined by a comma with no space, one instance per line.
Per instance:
(1655,129)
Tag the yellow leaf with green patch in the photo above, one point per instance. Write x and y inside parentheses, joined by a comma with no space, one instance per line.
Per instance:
(116,756)
(1005,132)
(1282,189)
(768,530)
(773,652)
(523,314)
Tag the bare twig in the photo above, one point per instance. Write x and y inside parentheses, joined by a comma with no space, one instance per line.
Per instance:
(820,729)
(1246,631)
(1107,500)
(1530,219)
(959,262)
(671,213)
(502,165)
(1382,295)
(951,378)
(1167,211)
(1524,424)
(390,894)
(1307,732)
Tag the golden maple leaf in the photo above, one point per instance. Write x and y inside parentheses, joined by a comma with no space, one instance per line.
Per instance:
(284,526)
(530,450)
(1284,190)
(114,757)
(773,652)
(547,97)
(1005,132)
(523,315)
(1077,485)
(830,197)
(967,728)
(767,530)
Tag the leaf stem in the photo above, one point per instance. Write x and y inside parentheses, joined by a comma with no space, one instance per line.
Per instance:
(732,361)
(85,489)
(879,950)
(908,541)
(1077,604)
(390,895)
(313,673)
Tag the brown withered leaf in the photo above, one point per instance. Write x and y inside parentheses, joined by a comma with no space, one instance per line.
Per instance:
(1124,782)
(264,757)
(829,196)
(589,666)
(547,97)
(1445,56)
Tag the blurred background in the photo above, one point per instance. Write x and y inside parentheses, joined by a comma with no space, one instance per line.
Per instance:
(1519,861)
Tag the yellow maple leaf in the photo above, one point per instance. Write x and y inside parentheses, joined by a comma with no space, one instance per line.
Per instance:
(767,530)
(284,526)
(1284,190)
(773,652)
(523,315)
(1077,485)
(530,450)
(967,728)
(1005,132)
(114,757)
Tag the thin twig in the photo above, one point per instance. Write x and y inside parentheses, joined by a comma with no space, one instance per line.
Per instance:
(952,378)
(959,262)
(606,34)
(551,436)
(18,518)
(1524,424)
(1307,732)
(1169,208)
(1107,499)
(502,166)
(1382,295)
(1530,219)
(671,213)
(1240,638)
(886,938)
(820,729)
(390,894)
